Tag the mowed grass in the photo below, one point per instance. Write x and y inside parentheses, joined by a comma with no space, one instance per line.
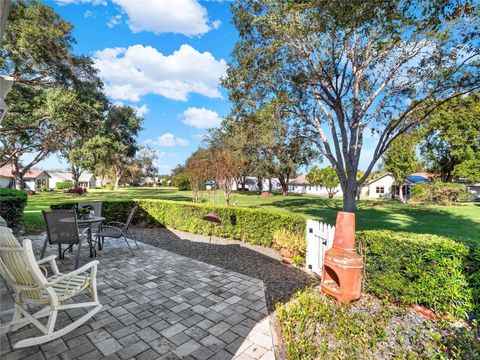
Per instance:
(461,222)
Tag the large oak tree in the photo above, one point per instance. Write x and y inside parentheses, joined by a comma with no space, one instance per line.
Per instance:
(353,66)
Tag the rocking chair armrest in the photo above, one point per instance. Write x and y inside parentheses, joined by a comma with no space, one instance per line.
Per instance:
(91,265)
(47,259)
(53,263)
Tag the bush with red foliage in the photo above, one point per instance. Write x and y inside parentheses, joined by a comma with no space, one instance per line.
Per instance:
(77,190)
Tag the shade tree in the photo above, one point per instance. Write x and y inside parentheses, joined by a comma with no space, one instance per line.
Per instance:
(351,67)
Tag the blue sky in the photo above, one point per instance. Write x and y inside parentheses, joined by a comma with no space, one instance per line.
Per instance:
(163,57)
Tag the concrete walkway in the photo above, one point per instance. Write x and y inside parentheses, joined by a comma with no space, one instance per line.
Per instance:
(156,305)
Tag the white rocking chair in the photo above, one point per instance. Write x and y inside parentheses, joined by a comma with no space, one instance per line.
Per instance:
(33,287)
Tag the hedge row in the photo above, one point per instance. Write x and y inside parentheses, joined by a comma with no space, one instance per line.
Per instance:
(406,268)
(433,271)
(60,185)
(12,204)
(255,226)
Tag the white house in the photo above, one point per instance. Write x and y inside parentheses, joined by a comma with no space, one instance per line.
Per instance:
(300,185)
(34,179)
(474,188)
(87,180)
(251,184)
(385,186)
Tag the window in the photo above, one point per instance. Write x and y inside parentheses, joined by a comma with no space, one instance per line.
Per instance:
(380,190)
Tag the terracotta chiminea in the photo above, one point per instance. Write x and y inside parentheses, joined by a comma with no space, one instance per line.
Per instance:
(342,266)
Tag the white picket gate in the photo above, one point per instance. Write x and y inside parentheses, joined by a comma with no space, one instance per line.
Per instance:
(319,240)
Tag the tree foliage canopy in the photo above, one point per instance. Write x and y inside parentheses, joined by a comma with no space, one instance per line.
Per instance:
(347,67)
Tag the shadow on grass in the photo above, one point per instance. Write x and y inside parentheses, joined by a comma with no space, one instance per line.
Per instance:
(394,216)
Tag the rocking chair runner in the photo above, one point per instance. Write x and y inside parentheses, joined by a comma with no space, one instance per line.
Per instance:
(32,286)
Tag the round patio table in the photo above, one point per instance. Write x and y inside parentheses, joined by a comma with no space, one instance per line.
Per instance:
(83,223)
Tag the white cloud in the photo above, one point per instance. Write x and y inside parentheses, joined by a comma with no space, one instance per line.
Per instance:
(185,17)
(141,110)
(216,24)
(168,140)
(114,20)
(88,14)
(130,73)
(75,2)
(201,118)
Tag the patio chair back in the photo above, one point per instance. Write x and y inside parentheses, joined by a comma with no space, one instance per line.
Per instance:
(97,206)
(61,227)
(15,267)
(130,217)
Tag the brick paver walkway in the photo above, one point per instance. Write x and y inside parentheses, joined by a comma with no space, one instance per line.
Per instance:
(157,305)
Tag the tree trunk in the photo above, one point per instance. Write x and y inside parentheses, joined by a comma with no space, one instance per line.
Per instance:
(118,175)
(260,183)
(244,180)
(400,192)
(76,173)
(270,185)
(349,198)
(284,185)
(17,175)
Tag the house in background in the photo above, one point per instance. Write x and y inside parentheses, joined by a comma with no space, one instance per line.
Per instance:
(300,185)
(34,179)
(385,186)
(251,184)
(87,180)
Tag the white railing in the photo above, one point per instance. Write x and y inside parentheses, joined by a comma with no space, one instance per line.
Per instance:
(319,240)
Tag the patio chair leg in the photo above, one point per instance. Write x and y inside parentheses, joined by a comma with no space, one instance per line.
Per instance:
(133,238)
(77,258)
(128,244)
(44,248)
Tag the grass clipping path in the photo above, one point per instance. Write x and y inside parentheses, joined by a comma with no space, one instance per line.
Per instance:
(315,326)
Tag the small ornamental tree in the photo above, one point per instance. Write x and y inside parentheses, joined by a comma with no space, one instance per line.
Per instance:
(224,169)
(197,172)
(326,177)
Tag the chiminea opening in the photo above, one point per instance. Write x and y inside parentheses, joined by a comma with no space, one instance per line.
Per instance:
(331,279)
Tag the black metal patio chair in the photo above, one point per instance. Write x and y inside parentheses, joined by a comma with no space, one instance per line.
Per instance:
(62,229)
(118,231)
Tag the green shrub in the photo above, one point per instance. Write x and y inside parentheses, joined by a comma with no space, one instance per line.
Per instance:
(61,185)
(181,182)
(12,204)
(64,206)
(429,270)
(438,192)
(294,242)
(251,225)
(315,327)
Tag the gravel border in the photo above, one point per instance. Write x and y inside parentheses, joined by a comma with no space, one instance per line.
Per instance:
(281,280)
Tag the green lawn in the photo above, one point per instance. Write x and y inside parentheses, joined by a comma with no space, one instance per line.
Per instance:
(461,222)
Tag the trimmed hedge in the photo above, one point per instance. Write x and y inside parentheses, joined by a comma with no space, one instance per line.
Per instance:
(424,269)
(255,226)
(12,204)
(406,268)
(64,185)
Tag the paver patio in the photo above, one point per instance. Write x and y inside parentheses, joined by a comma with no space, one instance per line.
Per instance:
(156,305)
